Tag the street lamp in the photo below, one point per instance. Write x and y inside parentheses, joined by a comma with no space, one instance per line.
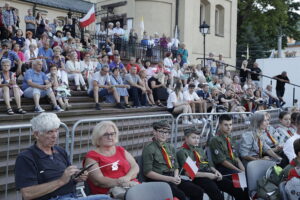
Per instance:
(204,29)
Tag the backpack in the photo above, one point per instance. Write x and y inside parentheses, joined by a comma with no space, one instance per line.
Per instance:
(292,187)
(267,186)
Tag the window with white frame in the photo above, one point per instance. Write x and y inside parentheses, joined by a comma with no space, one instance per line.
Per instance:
(219,20)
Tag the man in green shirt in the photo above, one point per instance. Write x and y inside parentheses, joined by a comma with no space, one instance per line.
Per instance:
(160,164)
(207,177)
(224,155)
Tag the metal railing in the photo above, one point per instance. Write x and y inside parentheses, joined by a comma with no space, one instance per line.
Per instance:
(16,138)
(209,124)
(128,49)
(134,133)
(249,72)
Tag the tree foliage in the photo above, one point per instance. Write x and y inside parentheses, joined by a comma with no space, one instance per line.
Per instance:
(260,22)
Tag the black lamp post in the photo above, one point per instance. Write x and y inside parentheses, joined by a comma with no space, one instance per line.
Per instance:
(204,29)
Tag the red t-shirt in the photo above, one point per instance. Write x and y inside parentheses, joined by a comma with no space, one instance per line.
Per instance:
(128,67)
(110,171)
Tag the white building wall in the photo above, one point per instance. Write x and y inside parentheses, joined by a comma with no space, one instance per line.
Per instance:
(273,67)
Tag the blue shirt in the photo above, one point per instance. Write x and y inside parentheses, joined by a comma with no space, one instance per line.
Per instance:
(202,94)
(35,77)
(20,41)
(12,56)
(114,65)
(34,167)
(46,53)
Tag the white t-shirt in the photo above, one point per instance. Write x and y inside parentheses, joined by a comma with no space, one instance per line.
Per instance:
(71,66)
(118,31)
(173,99)
(187,96)
(101,80)
(288,147)
(168,62)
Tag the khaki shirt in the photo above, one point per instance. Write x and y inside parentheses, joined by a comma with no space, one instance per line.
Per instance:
(153,159)
(283,134)
(183,153)
(273,132)
(220,152)
(249,145)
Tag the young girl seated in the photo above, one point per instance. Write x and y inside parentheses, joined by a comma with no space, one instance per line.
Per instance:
(61,90)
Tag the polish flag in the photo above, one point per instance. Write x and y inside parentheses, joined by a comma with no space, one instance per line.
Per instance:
(190,167)
(239,180)
(89,18)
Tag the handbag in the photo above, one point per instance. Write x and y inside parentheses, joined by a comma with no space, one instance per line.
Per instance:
(119,192)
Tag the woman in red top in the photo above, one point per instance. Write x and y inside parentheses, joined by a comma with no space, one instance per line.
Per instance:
(124,168)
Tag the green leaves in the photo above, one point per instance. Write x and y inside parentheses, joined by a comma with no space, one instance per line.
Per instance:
(260,22)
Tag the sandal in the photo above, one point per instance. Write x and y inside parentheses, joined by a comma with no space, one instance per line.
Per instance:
(10,111)
(160,104)
(21,111)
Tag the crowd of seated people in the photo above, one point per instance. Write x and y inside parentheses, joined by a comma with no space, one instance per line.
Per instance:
(114,170)
(73,63)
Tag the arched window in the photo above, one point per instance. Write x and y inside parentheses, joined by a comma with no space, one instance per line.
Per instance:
(219,20)
(204,12)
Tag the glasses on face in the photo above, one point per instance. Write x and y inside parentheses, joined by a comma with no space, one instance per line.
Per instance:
(108,135)
(163,132)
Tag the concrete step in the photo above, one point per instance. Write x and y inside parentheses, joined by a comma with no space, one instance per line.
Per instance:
(83,113)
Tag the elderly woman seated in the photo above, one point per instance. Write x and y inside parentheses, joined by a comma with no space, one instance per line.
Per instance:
(114,167)
(9,88)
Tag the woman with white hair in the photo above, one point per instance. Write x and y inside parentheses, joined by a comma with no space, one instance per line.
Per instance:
(74,71)
(44,171)
(118,167)
(9,88)
(252,145)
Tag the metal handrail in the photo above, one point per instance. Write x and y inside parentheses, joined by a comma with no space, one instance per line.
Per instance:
(115,118)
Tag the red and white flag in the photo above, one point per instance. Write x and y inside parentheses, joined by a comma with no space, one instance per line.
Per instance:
(190,167)
(89,18)
(239,180)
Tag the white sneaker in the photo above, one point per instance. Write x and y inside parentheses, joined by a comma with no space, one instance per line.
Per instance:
(186,122)
(200,121)
(195,121)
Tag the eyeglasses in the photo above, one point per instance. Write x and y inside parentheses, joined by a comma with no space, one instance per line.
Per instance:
(163,132)
(108,135)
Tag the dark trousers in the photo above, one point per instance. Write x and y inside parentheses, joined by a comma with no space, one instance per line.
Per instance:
(226,184)
(210,187)
(272,101)
(137,96)
(193,191)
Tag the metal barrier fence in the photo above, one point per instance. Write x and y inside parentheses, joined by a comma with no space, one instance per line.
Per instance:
(14,139)
(209,124)
(129,49)
(134,133)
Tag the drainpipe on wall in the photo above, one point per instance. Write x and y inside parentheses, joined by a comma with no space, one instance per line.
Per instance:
(176,17)
(34,9)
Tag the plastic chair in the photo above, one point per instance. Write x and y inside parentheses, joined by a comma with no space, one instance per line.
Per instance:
(255,170)
(150,191)
(283,194)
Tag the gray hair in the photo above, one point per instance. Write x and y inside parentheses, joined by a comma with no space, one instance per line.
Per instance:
(36,61)
(257,119)
(5,61)
(45,122)
(100,129)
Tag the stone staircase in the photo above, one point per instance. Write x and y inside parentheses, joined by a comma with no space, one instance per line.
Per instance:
(16,140)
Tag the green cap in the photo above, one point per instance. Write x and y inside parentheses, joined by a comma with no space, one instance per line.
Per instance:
(163,124)
(190,130)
